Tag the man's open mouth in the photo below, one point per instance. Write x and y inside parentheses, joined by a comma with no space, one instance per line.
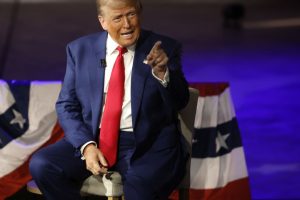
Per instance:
(127,34)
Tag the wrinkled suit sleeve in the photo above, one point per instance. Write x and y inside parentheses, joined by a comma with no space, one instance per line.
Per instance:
(69,109)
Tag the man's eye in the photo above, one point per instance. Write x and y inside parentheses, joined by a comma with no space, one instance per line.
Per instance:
(117,19)
(133,14)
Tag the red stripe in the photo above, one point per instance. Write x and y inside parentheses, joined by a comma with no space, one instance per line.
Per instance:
(15,180)
(236,190)
(209,89)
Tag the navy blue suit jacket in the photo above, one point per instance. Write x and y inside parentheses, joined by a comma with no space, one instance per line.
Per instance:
(154,107)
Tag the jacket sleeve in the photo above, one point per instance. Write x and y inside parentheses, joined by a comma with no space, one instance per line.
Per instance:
(69,109)
(176,94)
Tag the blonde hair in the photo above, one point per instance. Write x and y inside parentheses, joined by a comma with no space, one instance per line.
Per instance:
(101,3)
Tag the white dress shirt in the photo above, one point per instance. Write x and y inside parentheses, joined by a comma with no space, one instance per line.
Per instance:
(111,56)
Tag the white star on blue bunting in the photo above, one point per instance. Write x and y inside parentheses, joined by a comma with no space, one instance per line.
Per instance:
(18,119)
(221,141)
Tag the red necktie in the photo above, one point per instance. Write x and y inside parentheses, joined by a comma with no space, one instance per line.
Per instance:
(110,124)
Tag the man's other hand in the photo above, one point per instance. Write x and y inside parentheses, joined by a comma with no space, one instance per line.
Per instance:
(94,159)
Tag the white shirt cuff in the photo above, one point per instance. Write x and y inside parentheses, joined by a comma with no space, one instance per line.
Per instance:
(83,147)
(166,79)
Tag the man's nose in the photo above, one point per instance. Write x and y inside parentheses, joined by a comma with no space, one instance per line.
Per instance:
(126,23)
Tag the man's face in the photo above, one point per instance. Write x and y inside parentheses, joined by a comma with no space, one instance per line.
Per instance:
(121,20)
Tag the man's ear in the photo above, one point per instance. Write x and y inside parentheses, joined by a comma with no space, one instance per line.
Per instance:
(102,22)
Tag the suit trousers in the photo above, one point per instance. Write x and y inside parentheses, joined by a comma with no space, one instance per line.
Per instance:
(59,174)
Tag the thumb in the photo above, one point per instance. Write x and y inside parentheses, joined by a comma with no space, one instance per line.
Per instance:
(102,159)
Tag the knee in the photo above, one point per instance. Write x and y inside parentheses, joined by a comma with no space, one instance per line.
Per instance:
(38,165)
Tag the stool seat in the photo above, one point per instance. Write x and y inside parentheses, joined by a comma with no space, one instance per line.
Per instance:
(107,185)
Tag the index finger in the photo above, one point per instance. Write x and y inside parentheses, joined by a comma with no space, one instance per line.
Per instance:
(155,47)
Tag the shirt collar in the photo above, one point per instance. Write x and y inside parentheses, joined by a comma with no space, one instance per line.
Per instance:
(111,46)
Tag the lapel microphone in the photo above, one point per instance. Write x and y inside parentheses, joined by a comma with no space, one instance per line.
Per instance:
(103,63)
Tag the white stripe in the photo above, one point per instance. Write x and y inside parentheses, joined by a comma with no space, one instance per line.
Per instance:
(42,118)
(210,173)
(226,108)
(207,112)
(214,110)
(6,98)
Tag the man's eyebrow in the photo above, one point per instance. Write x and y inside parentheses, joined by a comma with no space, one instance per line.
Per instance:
(117,15)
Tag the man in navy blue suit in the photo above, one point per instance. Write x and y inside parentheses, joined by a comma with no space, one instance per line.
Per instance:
(151,154)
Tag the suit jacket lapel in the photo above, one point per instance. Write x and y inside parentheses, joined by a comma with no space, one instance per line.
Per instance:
(140,72)
(97,72)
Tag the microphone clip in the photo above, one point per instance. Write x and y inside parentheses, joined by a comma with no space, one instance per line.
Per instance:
(103,63)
